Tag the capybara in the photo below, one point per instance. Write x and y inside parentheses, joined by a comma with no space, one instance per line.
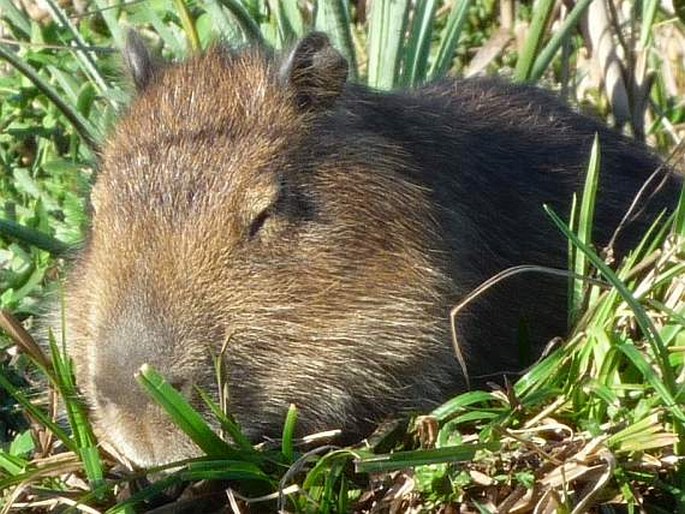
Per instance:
(314,235)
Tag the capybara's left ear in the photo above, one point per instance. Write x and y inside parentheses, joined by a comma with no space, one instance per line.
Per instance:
(140,65)
(316,71)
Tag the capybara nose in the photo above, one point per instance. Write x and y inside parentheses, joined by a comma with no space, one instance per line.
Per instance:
(139,337)
(121,390)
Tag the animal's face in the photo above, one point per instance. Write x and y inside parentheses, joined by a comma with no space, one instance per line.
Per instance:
(223,228)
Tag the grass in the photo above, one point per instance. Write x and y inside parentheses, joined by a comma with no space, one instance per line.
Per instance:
(599,421)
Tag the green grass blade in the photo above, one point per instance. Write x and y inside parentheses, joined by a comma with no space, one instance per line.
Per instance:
(222,470)
(17,18)
(329,489)
(30,236)
(565,31)
(67,82)
(318,473)
(458,403)
(145,14)
(286,33)
(194,470)
(80,124)
(647,433)
(35,474)
(83,56)
(418,46)
(85,99)
(289,11)
(649,8)
(333,18)
(109,16)
(223,23)
(450,428)
(652,377)
(188,25)
(183,415)
(227,423)
(289,433)
(407,459)
(83,435)
(449,39)
(679,218)
(651,241)
(479,416)
(541,14)
(12,464)
(601,391)
(244,19)
(542,376)
(584,231)
(387,23)
(571,293)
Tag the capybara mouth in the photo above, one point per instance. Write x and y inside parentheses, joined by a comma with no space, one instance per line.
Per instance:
(156,441)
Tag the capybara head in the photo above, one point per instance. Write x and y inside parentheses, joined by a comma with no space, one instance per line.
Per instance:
(232,221)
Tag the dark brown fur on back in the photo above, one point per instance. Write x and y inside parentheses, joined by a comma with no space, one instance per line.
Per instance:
(321,232)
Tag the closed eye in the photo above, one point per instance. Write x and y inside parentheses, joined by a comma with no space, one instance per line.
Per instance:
(258,223)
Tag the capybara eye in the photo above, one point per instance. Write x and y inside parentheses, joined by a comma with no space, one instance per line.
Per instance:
(258,223)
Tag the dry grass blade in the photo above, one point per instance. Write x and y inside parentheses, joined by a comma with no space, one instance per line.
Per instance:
(57,466)
(648,190)
(580,465)
(22,338)
(490,51)
(600,39)
(54,504)
(492,281)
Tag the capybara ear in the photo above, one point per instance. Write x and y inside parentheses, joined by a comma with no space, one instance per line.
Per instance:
(140,65)
(316,71)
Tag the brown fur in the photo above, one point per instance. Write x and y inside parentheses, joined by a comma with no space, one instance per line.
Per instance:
(324,231)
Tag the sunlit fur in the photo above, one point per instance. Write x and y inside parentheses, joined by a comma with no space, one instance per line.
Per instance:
(381,211)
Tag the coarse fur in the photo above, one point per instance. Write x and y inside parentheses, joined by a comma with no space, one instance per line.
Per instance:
(320,232)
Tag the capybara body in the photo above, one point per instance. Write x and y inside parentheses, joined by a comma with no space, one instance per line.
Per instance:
(313,235)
